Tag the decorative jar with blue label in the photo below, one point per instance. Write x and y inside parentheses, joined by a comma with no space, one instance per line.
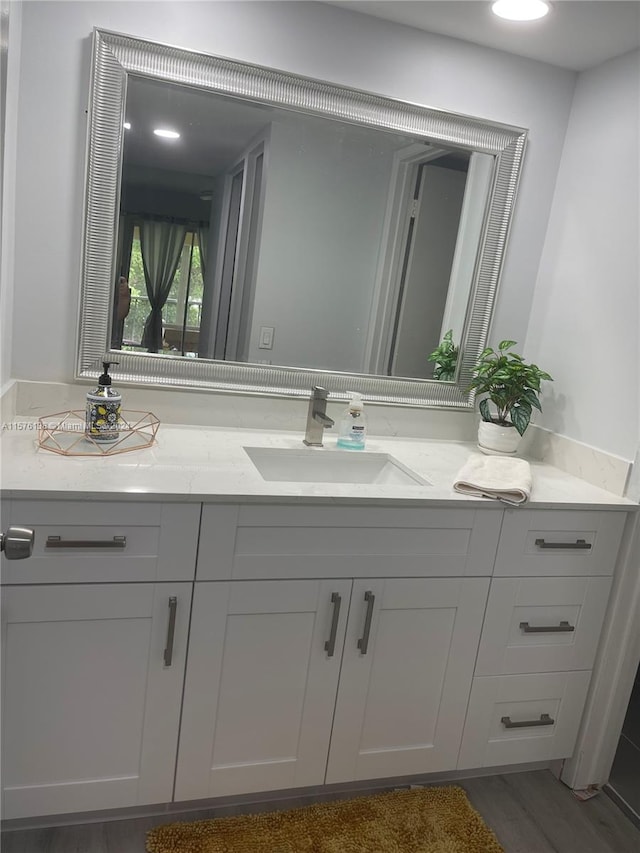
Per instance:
(104,403)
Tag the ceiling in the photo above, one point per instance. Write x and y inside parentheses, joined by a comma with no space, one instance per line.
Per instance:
(214,132)
(576,34)
(213,128)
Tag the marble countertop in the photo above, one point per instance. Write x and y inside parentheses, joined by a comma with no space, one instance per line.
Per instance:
(210,464)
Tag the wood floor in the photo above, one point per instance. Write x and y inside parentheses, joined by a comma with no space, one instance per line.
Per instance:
(529,812)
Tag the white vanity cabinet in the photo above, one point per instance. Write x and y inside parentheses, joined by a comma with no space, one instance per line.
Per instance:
(354,660)
(92,670)
(546,607)
(159,651)
(273,686)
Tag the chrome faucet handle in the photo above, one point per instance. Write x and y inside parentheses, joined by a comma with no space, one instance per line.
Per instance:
(324,419)
(317,418)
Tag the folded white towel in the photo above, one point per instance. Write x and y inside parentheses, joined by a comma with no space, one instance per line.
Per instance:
(502,478)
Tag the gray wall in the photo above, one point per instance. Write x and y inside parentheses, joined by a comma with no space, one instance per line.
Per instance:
(307,38)
(10,60)
(585,318)
(326,192)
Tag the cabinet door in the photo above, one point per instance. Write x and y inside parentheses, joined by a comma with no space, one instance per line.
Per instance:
(403,694)
(261,686)
(91,704)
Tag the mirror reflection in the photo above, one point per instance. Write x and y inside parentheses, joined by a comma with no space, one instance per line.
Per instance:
(255,234)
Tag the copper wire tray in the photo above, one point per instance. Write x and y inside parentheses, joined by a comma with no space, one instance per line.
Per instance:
(64,433)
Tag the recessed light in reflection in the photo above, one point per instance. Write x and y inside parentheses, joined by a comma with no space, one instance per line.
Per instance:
(127,125)
(520,10)
(166,134)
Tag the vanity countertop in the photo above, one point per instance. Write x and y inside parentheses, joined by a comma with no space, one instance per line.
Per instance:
(210,464)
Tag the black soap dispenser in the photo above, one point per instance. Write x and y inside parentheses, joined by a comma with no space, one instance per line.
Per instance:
(104,403)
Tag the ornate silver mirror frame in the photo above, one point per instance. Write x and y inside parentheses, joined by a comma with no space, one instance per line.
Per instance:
(114,57)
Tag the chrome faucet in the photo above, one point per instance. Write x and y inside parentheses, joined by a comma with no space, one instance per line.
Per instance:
(317,418)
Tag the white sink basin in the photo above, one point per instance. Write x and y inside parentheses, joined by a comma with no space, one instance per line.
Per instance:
(331,466)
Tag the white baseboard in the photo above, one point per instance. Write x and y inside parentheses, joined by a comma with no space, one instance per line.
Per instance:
(268,800)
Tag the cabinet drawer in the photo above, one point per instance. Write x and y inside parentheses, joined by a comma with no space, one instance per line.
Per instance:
(514,719)
(542,624)
(559,542)
(90,542)
(257,542)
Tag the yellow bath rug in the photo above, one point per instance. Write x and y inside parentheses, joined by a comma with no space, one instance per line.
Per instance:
(420,820)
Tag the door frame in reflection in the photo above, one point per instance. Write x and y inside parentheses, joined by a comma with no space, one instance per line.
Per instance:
(234,249)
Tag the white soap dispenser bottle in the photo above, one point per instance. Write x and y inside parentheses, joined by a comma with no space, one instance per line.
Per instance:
(353,426)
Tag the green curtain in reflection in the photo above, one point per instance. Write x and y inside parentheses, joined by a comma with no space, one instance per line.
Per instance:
(203,239)
(161,244)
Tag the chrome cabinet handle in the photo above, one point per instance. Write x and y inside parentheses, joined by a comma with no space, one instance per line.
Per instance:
(59,542)
(545,720)
(363,642)
(171,630)
(562,628)
(17,542)
(330,645)
(578,545)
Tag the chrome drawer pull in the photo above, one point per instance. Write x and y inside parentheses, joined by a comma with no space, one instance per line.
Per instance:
(330,645)
(58,542)
(363,642)
(562,628)
(171,630)
(578,545)
(545,720)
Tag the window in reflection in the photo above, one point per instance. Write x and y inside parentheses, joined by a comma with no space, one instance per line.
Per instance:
(181,313)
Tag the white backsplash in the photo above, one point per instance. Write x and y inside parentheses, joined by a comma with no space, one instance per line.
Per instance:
(242,411)
(633,486)
(38,399)
(595,466)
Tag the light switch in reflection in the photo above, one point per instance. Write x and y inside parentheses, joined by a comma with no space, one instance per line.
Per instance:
(266,337)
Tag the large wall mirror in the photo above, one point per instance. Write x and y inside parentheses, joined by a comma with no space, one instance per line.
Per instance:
(250,230)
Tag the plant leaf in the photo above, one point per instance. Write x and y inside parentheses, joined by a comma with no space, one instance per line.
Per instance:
(532,398)
(534,381)
(520,418)
(506,344)
(484,410)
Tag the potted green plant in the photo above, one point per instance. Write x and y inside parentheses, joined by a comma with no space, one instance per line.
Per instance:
(512,386)
(445,356)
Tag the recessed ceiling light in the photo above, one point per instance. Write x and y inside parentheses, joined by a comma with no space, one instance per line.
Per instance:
(166,134)
(127,125)
(521,10)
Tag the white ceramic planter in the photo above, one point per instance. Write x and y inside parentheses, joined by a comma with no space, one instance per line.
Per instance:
(497,438)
